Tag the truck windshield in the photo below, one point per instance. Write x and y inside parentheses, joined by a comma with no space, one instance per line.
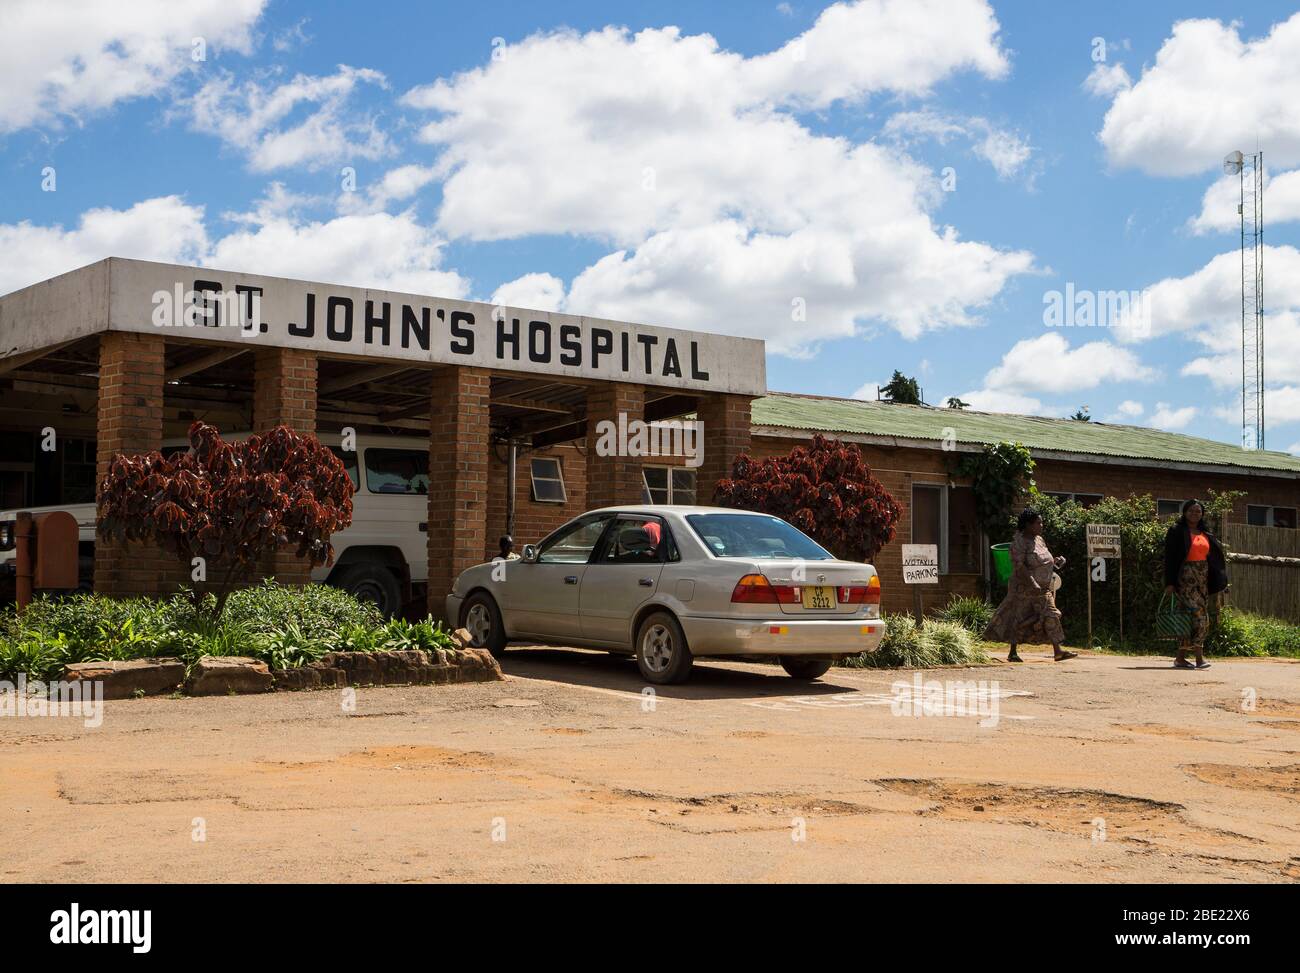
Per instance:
(750,535)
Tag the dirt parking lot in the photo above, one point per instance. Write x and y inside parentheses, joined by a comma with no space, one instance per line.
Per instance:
(1104,769)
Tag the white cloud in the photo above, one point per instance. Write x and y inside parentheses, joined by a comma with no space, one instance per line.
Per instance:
(367,250)
(1282,406)
(868,392)
(396,184)
(164,229)
(376,249)
(1169,418)
(1219,212)
(1126,411)
(1006,151)
(537,292)
(1208,93)
(1000,400)
(729,212)
(70,59)
(799,289)
(1048,364)
(1205,308)
(262,120)
(1107,80)
(856,49)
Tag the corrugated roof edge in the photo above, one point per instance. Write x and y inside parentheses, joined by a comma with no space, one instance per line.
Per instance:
(1113,440)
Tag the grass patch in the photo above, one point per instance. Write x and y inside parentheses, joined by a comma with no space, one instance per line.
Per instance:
(1234,634)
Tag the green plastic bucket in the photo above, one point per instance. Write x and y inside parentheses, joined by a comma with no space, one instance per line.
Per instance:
(1002,561)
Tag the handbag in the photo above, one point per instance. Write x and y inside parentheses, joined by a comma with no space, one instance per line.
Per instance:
(1172,620)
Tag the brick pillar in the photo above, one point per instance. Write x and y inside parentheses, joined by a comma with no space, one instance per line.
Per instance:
(129,419)
(284,392)
(612,480)
(727,430)
(458,476)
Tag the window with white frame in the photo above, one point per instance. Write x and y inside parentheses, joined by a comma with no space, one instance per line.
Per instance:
(548,479)
(945,516)
(1082,499)
(667,484)
(1169,508)
(1258,515)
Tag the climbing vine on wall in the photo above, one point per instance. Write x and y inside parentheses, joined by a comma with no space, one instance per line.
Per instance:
(1002,476)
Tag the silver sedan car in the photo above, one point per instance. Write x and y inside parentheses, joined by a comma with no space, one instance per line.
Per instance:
(668,584)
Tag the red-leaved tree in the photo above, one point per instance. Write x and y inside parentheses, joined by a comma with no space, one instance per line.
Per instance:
(231,504)
(826,490)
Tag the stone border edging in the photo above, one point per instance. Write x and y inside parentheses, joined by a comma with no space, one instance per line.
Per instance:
(241,675)
(414,667)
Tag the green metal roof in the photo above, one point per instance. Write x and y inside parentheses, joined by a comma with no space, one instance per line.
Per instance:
(854,416)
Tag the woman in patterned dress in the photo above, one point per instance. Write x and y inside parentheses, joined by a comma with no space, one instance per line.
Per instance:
(1196,571)
(1028,613)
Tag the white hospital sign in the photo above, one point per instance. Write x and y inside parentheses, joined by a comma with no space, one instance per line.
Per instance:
(200,304)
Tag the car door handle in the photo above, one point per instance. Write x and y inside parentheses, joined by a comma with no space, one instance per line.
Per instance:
(571,579)
(646,582)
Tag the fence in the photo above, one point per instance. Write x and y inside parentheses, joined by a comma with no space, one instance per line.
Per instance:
(1264,569)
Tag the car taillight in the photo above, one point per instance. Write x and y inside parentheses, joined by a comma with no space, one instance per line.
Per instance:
(755,589)
(868,594)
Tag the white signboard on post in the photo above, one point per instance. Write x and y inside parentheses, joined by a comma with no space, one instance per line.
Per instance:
(1103,540)
(920,564)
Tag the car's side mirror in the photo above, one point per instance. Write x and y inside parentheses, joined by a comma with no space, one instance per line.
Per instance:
(530,554)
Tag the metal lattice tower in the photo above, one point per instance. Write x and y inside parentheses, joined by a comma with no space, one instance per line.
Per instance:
(1250,170)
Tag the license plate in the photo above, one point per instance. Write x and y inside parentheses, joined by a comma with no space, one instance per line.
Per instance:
(818,597)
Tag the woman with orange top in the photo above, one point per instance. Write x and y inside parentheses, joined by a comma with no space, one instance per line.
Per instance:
(1195,570)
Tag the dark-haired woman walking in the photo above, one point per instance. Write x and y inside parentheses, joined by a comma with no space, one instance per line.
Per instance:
(1195,570)
(1028,613)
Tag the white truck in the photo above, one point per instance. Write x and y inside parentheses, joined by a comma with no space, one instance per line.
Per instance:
(382,557)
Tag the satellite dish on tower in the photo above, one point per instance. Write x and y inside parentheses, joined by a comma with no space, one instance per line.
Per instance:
(1232,163)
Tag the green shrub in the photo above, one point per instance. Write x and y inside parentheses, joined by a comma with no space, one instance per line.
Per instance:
(906,645)
(316,608)
(1142,539)
(1239,633)
(973,614)
(37,657)
(284,627)
(288,647)
(400,635)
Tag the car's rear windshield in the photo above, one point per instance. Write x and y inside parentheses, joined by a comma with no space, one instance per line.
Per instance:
(749,535)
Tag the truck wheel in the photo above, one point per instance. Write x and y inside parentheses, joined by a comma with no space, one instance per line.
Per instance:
(372,583)
(661,651)
(805,669)
(482,619)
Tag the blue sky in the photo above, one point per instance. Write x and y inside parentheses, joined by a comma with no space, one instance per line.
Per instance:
(868,186)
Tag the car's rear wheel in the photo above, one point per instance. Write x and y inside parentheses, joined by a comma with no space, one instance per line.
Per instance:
(373,583)
(805,669)
(662,654)
(482,619)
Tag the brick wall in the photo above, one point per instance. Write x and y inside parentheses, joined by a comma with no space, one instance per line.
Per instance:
(284,393)
(897,468)
(1058,476)
(458,475)
(727,434)
(129,419)
(284,390)
(534,519)
(612,480)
